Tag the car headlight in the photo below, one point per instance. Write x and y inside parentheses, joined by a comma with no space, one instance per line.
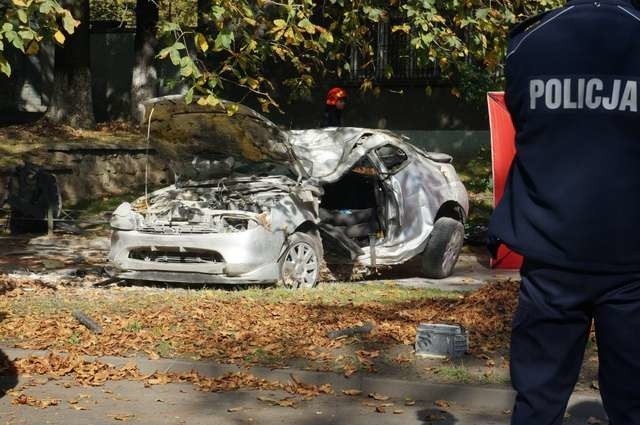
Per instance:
(124,218)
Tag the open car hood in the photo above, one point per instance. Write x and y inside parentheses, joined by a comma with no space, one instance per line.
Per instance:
(324,155)
(184,130)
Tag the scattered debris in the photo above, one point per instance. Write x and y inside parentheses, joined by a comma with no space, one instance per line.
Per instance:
(123,416)
(378,397)
(443,404)
(87,321)
(351,331)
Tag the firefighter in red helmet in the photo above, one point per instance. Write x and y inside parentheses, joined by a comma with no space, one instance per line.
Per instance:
(334,105)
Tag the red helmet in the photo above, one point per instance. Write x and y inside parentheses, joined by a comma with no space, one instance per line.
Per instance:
(336,94)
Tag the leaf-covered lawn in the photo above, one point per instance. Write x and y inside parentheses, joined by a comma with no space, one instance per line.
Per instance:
(264,326)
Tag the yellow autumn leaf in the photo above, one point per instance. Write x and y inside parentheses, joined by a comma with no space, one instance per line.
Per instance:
(201,42)
(59,36)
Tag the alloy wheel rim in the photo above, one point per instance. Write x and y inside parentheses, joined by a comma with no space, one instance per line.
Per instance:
(452,251)
(300,267)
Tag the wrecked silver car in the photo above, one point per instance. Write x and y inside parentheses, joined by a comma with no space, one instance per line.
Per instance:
(259,204)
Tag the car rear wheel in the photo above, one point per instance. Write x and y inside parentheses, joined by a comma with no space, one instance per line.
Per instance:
(443,248)
(300,263)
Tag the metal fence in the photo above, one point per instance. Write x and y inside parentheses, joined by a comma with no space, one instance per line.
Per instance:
(394,61)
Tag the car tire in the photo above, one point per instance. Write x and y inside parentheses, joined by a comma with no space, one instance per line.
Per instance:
(443,248)
(300,262)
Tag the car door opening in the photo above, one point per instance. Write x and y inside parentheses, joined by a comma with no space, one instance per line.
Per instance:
(351,205)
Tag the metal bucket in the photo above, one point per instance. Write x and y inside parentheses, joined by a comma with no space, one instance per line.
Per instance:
(438,341)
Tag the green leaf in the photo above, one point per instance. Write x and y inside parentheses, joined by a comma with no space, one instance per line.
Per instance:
(46,7)
(326,37)
(174,54)
(27,34)
(482,13)
(164,52)
(69,23)
(186,66)
(7,27)
(218,12)
(280,23)
(188,97)
(186,71)
(169,27)
(307,26)
(18,43)
(224,39)
(373,13)
(22,16)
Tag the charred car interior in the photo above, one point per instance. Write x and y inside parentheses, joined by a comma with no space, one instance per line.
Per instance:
(258,204)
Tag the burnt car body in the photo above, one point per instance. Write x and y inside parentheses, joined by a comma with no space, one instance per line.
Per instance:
(260,204)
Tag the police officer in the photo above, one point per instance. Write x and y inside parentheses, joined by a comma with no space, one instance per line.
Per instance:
(572,206)
(334,105)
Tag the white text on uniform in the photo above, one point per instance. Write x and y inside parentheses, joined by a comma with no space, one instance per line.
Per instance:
(584,93)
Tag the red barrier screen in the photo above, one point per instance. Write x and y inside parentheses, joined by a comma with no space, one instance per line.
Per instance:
(503,149)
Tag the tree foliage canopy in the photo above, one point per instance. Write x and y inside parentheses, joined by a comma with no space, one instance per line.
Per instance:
(259,46)
(26,24)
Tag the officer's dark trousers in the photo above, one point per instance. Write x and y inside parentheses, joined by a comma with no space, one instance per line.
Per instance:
(550,330)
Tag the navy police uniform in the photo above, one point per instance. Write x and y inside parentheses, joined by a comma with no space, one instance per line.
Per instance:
(572,206)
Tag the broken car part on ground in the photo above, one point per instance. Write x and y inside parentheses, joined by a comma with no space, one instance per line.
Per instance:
(259,204)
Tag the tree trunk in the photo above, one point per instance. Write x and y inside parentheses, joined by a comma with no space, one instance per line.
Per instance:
(144,82)
(204,16)
(71,99)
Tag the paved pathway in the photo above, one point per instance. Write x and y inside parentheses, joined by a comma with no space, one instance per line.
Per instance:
(131,401)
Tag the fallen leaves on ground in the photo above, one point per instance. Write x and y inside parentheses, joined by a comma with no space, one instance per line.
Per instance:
(248,330)
(23,399)
(15,287)
(96,373)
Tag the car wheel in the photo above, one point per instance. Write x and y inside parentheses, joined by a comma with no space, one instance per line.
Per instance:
(300,262)
(443,248)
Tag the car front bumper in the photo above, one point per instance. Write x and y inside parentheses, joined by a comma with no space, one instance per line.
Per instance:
(249,256)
